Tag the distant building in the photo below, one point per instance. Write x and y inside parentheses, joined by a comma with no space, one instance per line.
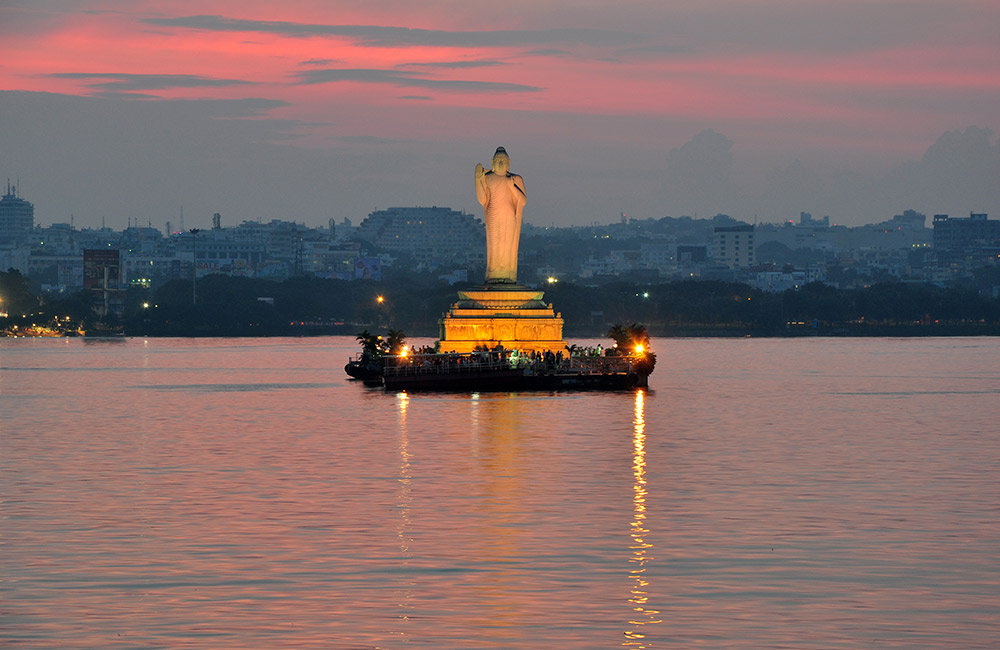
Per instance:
(778,281)
(971,240)
(903,232)
(660,255)
(910,219)
(217,251)
(281,240)
(806,221)
(734,246)
(57,239)
(691,253)
(432,236)
(342,261)
(17,218)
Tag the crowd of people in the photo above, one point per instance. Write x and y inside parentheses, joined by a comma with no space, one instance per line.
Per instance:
(483,357)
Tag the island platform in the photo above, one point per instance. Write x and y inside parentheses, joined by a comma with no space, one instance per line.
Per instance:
(500,371)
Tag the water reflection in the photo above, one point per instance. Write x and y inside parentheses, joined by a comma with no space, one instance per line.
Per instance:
(404,592)
(642,614)
(503,536)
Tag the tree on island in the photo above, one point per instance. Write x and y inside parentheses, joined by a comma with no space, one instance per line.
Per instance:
(394,341)
(371,345)
(374,346)
(628,337)
(633,340)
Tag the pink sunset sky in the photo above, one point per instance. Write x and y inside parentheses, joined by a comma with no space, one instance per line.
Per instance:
(312,110)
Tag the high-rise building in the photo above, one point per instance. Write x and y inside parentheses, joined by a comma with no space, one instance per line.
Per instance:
(17,217)
(734,246)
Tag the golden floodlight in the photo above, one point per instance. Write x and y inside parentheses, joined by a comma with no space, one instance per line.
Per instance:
(639,349)
(380,299)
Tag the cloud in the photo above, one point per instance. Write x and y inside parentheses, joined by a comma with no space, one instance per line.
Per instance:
(108,94)
(699,174)
(957,174)
(407,80)
(386,36)
(828,27)
(453,64)
(122,82)
(140,158)
(368,139)
(553,53)
(660,48)
(794,188)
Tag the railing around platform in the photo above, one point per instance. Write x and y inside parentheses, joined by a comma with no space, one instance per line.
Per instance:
(480,362)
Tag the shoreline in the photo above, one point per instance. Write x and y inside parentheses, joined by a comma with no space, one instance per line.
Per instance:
(864,331)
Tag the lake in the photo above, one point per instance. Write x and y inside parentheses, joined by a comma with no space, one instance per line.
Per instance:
(243,493)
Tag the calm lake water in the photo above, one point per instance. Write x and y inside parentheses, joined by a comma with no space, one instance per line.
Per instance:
(243,493)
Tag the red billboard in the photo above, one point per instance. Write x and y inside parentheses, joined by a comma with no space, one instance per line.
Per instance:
(101,264)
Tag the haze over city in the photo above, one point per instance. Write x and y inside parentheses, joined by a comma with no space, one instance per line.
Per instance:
(308,111)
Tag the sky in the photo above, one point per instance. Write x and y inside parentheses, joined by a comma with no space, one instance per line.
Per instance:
(148,111)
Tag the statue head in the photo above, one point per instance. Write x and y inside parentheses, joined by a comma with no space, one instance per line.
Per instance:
(501,159)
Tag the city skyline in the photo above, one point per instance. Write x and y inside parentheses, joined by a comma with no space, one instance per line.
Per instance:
(310,111)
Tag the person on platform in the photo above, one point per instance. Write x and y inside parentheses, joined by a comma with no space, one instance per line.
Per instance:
(502,196)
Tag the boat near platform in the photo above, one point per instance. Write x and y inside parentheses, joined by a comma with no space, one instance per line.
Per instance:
(365,367)
(500,371)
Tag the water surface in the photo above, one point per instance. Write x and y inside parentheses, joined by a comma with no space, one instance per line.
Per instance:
(242,493)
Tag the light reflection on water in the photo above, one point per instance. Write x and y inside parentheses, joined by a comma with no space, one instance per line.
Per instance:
(405,590)
(641,549)
(243,494)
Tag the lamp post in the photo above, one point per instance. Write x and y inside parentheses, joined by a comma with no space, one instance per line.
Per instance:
(194,264)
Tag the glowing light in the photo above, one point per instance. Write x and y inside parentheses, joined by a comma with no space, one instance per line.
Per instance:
(553,280)
(145,305)
(639,349)
(380,299)
(405,351)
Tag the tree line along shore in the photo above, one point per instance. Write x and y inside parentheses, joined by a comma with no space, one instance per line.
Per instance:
(227,306)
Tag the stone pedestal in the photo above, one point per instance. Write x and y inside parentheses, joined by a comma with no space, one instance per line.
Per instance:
(510,315)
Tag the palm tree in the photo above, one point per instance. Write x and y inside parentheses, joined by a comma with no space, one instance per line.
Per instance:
(371,345)
(639,335)
(618,334)
(627,337)
(394,342)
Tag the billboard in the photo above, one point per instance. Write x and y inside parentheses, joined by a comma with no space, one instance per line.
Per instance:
(368,268)
(99,266)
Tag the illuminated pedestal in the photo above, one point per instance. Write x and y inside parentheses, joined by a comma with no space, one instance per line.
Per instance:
(510,315)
